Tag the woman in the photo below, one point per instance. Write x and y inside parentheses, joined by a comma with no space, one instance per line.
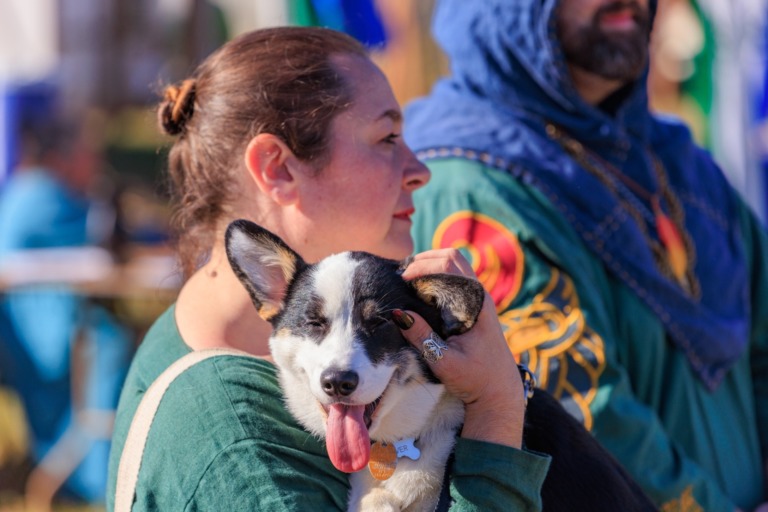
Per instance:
(296,129)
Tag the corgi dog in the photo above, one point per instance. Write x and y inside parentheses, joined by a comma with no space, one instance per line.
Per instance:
(351,378)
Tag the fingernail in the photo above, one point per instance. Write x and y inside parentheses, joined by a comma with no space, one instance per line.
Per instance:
(402,319)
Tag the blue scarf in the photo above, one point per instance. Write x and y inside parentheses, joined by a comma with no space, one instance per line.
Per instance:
(508,82)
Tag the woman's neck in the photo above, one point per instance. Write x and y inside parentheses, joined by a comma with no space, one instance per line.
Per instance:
(214,310)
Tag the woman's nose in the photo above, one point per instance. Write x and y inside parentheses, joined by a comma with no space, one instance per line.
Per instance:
(416,174)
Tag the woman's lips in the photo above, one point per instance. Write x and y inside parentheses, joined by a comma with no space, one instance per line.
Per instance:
(405,215)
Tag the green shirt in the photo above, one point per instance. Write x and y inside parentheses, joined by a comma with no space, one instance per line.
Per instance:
(222,440)
(597,347)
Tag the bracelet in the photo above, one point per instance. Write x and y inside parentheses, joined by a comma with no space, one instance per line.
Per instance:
(529,382)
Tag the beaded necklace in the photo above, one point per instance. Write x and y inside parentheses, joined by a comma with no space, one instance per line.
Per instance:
(673,250)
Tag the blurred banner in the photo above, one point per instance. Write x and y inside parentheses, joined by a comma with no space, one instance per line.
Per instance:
(28,56)
(737,53)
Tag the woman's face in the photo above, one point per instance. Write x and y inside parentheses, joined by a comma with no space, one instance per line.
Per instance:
(361,199)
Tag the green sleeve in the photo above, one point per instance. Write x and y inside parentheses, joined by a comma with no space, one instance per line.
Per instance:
(259,475)
(488,477)
(253,475)
(556,304)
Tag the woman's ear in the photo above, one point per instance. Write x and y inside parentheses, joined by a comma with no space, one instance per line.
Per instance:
(267,158)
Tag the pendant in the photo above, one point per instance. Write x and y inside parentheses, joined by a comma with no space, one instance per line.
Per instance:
(677,256)
(383,460)
(407,448)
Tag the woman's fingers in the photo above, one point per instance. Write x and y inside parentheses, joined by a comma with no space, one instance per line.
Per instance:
(473,365)
(477,368)
(416,330)
(438,261)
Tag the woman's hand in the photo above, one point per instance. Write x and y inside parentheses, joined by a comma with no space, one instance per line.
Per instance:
(478,367)
(438,261)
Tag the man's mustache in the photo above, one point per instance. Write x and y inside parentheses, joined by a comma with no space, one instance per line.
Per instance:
(639,14)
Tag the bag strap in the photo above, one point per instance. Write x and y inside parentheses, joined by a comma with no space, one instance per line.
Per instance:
(133,451)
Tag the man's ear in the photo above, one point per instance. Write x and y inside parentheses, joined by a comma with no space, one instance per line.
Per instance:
(267,158)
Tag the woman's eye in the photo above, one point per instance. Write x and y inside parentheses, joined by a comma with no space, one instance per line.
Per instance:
(391,138)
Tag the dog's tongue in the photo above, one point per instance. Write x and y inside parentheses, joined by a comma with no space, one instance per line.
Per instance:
(347,440)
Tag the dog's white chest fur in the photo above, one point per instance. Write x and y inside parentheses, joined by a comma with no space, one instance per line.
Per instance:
(416,484)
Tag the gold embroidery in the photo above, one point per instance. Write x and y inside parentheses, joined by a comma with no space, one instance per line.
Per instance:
(550,335)
(686,503)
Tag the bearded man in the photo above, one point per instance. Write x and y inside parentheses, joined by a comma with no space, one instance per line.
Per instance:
(627,272)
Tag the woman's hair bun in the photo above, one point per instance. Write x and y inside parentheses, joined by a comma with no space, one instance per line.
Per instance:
(177,107)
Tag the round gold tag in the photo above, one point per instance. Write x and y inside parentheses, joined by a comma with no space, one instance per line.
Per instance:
(383,460)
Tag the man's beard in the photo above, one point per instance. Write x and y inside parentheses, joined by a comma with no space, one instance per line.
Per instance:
(614,56)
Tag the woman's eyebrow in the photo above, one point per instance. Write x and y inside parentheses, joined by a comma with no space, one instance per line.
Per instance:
(392,114)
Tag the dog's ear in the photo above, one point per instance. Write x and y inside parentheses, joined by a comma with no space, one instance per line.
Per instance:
(458,298)
(263,263)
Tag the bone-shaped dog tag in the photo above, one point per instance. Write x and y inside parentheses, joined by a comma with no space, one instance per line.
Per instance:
(383,460)
(405,448)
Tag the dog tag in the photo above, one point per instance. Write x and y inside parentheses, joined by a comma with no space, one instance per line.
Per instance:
(383,460)
(405,448)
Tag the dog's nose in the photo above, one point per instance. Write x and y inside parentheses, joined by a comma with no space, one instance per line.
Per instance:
(338,382)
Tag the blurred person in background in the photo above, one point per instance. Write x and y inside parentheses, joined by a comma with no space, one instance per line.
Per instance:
(46,200)
(48,203)
(625,269)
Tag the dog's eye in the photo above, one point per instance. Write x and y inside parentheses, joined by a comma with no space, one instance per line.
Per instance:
(316,323)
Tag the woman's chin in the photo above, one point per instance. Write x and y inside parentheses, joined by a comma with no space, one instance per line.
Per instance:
(396,248)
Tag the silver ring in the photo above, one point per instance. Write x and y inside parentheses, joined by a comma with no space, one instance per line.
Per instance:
(432,348)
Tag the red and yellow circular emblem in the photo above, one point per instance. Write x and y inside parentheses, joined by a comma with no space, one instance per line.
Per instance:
(495,252)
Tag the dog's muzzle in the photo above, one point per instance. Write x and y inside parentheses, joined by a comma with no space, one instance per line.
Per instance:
(432,348)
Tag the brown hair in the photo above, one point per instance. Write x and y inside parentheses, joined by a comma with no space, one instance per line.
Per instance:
(277,80)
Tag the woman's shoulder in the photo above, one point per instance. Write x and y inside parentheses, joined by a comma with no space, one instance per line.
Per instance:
(236,387)
(238,377)
(222,420)
(225,390)
(219,406)
(215,403)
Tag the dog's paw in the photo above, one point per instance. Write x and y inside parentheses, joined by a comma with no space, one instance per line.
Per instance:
(378,500)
